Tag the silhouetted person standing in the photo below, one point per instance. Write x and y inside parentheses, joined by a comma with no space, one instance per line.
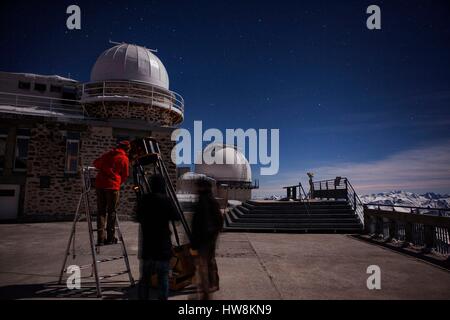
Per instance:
(155,211)
(206,226)
(113,170)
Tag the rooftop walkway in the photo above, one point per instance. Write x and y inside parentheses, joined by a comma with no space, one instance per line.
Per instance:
(251,265)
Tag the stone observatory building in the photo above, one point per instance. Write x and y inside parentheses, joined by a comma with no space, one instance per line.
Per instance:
(50,125)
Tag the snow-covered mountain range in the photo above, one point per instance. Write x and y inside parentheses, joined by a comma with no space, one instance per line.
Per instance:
(400,198)
(403,198)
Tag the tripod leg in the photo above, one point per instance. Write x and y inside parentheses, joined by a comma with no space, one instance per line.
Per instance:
(173,196)
(124,252)
(175,232)
(92,243)
(71,237)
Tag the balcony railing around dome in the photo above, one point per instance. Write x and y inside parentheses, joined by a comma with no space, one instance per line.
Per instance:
(232,183)
(40,106)
(130,91)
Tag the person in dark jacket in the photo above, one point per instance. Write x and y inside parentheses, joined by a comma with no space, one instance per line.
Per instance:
(206,226)
(113,171)
(155,211)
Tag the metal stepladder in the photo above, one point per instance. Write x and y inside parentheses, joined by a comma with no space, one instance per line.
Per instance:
(86,178)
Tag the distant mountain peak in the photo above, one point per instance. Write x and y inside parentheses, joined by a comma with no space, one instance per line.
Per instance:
(405,198)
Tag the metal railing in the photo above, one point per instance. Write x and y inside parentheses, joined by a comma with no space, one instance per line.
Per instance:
(428,228)
(440,212)
(233,183)
(355,201)
(133,92)
(300,196)
(331,184)
(339,188)
(40,105)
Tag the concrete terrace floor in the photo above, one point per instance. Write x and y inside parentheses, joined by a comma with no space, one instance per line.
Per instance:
(251,266)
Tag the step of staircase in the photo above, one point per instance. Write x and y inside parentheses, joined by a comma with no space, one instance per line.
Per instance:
(320,216)
(289,216)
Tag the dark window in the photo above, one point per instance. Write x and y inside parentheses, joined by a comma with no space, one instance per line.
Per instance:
(72,155)
(2,151)
(7,193)
(54,88)
(24,85)
(69,93)
(20,162)
(73,135)
(40,87)
(24,132)
(44,182)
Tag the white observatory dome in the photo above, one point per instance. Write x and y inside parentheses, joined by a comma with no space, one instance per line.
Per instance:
(237,171)
(129,62)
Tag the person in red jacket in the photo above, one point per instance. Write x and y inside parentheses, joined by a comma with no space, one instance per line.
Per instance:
(113,171)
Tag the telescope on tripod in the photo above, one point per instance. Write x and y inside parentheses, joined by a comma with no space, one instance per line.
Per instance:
(146,160)
(145,157)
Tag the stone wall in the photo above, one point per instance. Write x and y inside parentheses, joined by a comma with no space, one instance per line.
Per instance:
(117,110)
(46,157)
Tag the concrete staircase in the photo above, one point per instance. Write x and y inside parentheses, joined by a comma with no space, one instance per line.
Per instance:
(327,216)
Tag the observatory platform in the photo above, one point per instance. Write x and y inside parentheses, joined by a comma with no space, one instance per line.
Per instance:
(272,266)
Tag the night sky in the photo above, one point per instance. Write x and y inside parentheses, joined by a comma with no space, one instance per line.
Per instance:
(370,105)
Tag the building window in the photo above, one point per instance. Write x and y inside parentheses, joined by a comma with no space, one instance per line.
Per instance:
(40,87)
(22,141)
(44,182)
(54,88)
(69,93)
(3,137)
(24,85)
(72,155)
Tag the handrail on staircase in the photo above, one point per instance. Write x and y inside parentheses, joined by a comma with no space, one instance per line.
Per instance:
(340,187)
(300,196)
(306,202)
(356,202)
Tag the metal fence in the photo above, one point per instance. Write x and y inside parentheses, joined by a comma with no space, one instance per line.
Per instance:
(428,228)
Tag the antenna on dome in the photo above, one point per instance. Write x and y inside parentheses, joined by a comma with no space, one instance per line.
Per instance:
(151,50)
(114,42)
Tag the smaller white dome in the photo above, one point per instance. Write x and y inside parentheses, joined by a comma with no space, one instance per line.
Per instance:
(187,183)
(234,167)
(193,176)
(130,62)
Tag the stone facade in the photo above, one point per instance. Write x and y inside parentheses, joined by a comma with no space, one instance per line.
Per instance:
(156,105)
(47,150)
(133,111)
(47,191)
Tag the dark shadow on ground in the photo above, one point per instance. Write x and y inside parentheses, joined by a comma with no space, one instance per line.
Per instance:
(55,291)
(110,291)
(431,258)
